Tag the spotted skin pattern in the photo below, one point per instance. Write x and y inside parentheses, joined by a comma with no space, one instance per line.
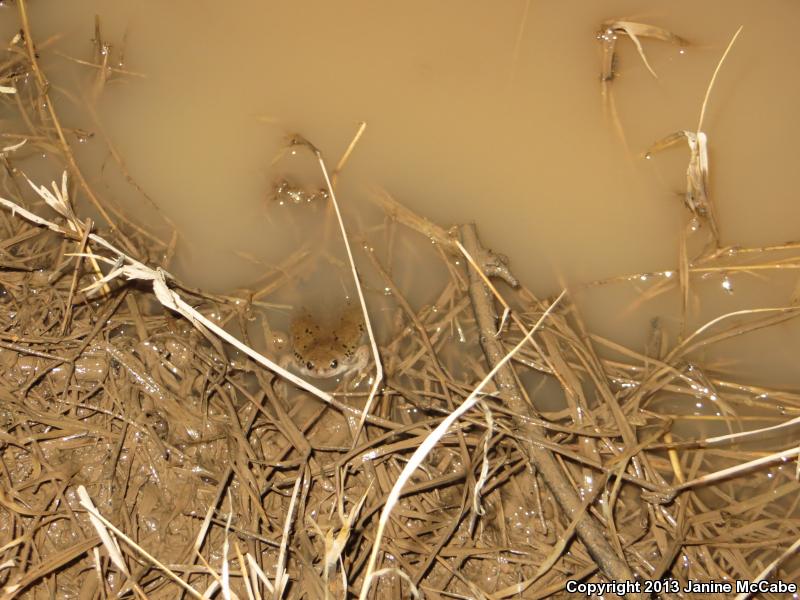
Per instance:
(323,353)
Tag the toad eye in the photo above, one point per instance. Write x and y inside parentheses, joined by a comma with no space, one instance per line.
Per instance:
(334,363)
(310,366)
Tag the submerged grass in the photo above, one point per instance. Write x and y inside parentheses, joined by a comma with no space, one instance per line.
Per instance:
(149,452)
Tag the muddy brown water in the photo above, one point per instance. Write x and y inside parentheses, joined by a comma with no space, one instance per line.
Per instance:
(529,149)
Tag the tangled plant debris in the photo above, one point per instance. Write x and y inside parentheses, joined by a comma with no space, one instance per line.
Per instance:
(149,451)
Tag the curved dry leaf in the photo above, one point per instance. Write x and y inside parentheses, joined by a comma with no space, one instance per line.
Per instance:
(696,196)
(608,36)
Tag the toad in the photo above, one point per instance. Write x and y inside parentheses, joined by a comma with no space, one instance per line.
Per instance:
(323,352)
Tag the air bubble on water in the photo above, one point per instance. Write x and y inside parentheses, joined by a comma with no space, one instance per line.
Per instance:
(727,284)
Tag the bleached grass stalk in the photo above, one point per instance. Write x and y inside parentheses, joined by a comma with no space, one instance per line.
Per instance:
(216,584)
(429,443)
(113,549)
(730,437)
(98,567)
(226,571)
(95,514)
(674,460)
(252,592)
(342,161)
(9,564)
(281,576)
(368,323)
(730,471)
(14,147)
(168,298)
(260,575)
(714,78)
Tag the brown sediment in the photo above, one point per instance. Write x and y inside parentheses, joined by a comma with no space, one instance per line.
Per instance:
(198,469)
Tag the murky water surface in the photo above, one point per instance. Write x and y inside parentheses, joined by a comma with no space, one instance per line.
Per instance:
(474,111)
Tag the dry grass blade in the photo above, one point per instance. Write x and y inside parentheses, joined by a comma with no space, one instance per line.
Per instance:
(281,576)
(252,590)
(342,161)
(683,277)
(14,147)
(114,553)
(225,576)
(609,31)
(696,196)
(378,379)
(741,468)
(262,577)
(410,219)
(714,78)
